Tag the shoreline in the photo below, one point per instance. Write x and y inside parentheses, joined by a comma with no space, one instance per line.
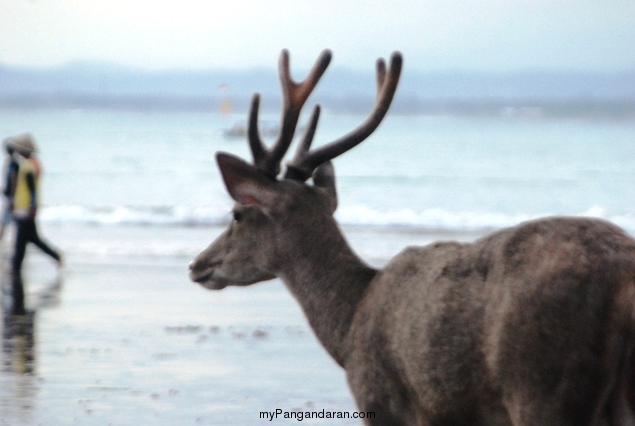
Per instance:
(123,340)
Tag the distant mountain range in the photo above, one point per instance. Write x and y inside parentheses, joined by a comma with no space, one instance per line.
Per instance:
(547,93)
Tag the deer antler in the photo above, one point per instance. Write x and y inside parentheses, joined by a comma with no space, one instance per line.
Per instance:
(294,97)
(305,162)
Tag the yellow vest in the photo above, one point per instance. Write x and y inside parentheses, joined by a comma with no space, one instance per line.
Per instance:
(22,198)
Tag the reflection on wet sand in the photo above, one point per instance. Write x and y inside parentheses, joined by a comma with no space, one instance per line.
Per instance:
(18,354)
(18,384)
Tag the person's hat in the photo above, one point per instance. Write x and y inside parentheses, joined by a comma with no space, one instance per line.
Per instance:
(24,143)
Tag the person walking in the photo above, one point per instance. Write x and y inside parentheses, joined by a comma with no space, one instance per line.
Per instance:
(25,202)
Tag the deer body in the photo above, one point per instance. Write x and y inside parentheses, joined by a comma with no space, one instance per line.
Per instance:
(532,325)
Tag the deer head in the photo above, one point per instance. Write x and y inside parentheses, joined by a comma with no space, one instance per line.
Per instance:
(276,218)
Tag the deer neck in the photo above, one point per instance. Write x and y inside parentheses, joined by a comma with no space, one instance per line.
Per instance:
(328,279)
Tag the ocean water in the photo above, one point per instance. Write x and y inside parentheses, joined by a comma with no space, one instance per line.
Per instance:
(425,173)
(131,197)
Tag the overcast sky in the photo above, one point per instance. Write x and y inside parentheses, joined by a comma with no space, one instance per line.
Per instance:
(489,35)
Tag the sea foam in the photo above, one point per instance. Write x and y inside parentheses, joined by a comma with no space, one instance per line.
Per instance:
(357,215)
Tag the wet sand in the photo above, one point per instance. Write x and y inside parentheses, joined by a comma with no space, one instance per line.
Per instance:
(129,340)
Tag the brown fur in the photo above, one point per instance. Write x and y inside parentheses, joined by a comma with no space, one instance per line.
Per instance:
(529,326)
(532,325)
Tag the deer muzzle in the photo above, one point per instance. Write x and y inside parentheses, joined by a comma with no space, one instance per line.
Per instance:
(206,275)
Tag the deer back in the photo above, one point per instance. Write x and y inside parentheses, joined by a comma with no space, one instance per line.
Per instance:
(462,326)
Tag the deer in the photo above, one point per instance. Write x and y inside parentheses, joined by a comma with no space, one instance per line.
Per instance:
(532,325)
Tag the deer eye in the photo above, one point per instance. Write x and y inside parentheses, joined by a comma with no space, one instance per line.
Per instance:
(237,216)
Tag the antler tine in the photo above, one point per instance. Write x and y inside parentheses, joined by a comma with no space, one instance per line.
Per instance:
(258,150)
(294,97)
(303,165)
(303,146)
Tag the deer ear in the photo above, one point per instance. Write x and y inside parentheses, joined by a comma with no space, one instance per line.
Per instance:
(324,177)
(245,183)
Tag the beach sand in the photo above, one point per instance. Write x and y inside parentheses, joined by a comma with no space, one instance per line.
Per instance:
(123,337)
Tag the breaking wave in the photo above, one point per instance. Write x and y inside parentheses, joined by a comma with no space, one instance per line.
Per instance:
(359,215)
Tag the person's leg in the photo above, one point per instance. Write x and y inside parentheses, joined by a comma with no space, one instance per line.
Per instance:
(35,239)
(17,307)
(21,238)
